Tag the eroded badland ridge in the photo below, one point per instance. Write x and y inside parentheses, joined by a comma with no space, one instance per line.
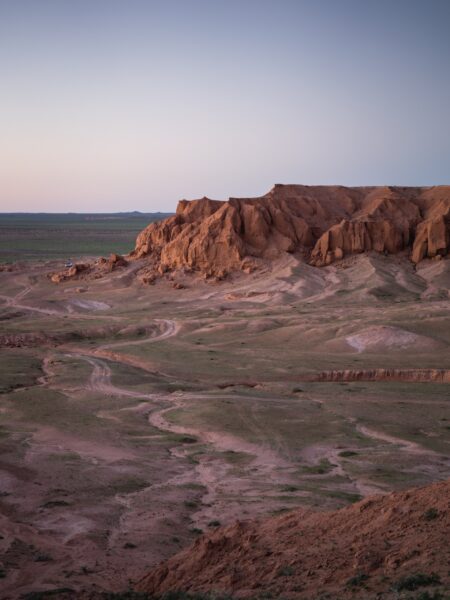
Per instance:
(269,418)
(325,223)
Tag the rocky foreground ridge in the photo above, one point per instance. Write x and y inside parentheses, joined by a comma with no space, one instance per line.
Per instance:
(324,223)
(383,546)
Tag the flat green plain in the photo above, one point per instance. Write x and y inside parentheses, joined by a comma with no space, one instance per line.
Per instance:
(28,236)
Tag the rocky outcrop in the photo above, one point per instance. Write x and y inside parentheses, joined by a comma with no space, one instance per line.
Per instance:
(324,223)
(85,270)
(432,238)
(113,262)
(412,375)
(368,549)
(69,273)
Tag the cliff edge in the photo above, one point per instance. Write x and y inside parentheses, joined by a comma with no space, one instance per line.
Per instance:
(324,223)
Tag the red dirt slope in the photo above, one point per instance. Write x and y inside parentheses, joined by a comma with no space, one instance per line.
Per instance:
(355,552)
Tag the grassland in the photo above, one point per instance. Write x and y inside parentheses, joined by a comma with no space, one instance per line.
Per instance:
(60,236)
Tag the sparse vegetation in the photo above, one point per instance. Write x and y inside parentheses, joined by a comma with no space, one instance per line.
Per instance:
(286,571)
(43,557)
(289,488)
(426,595)
(417,580)
(55,503)
(214,523)
(324,466)
(357,580)
(56,593)
(431,514)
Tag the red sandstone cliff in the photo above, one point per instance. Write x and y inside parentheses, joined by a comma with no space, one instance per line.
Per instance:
(325,223)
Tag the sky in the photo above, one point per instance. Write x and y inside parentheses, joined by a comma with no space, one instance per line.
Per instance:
(116,105)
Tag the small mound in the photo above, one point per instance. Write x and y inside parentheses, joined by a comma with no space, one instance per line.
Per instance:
(381,544)
(383,337)
(87,305)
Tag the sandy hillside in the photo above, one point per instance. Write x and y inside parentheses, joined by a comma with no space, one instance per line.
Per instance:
(379,545)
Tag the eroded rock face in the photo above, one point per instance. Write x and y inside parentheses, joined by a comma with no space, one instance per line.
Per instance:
(325,223)
(69,273)
(411,375)
(432,238)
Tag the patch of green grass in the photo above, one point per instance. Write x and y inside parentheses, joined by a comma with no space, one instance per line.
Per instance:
(128,486)
(53,236)
(181,438)
(347,453)
(193,486)
(347,496)
(18,369)
(237,458)
(322,468)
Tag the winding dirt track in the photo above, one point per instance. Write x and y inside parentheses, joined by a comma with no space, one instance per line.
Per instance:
(100,379)
(404,445)
(14,301)
(168,329)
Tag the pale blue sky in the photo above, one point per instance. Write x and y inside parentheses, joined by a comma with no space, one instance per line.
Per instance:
(110,105)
